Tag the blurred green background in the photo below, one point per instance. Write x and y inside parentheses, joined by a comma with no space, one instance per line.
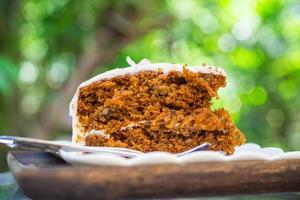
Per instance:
(48,47)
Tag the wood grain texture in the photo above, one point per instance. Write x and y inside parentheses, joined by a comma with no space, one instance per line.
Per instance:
(58,180)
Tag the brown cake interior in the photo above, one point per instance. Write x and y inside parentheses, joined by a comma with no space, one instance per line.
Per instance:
(153,111)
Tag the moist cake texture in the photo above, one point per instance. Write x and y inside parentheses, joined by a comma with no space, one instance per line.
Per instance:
(153,110)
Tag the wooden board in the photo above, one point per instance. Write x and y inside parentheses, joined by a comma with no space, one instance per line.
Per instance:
(44,176)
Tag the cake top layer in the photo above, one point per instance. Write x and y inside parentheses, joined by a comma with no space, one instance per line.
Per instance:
(146,65)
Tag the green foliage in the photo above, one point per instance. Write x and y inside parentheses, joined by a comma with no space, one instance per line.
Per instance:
(8,75)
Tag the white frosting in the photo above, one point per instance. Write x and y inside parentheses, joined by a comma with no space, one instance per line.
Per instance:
(143,65)
(164,67)
(132,125)
(98,132)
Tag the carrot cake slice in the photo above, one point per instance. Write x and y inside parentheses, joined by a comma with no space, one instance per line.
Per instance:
(153,107)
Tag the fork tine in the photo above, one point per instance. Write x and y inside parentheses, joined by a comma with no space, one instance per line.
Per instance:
(201,147)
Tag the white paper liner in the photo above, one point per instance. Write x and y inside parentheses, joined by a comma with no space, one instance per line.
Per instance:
(244,152)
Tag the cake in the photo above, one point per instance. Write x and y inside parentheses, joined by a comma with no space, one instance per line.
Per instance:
(153,107)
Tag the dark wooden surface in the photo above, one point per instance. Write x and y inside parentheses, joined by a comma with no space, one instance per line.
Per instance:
(42,175)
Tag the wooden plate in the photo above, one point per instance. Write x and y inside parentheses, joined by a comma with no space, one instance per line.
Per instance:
(42,175)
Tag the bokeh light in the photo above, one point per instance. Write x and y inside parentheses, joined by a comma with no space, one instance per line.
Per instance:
(275,118)
(28,73)
(257,95)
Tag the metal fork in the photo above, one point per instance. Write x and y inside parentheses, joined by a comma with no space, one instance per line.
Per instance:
(32,144)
